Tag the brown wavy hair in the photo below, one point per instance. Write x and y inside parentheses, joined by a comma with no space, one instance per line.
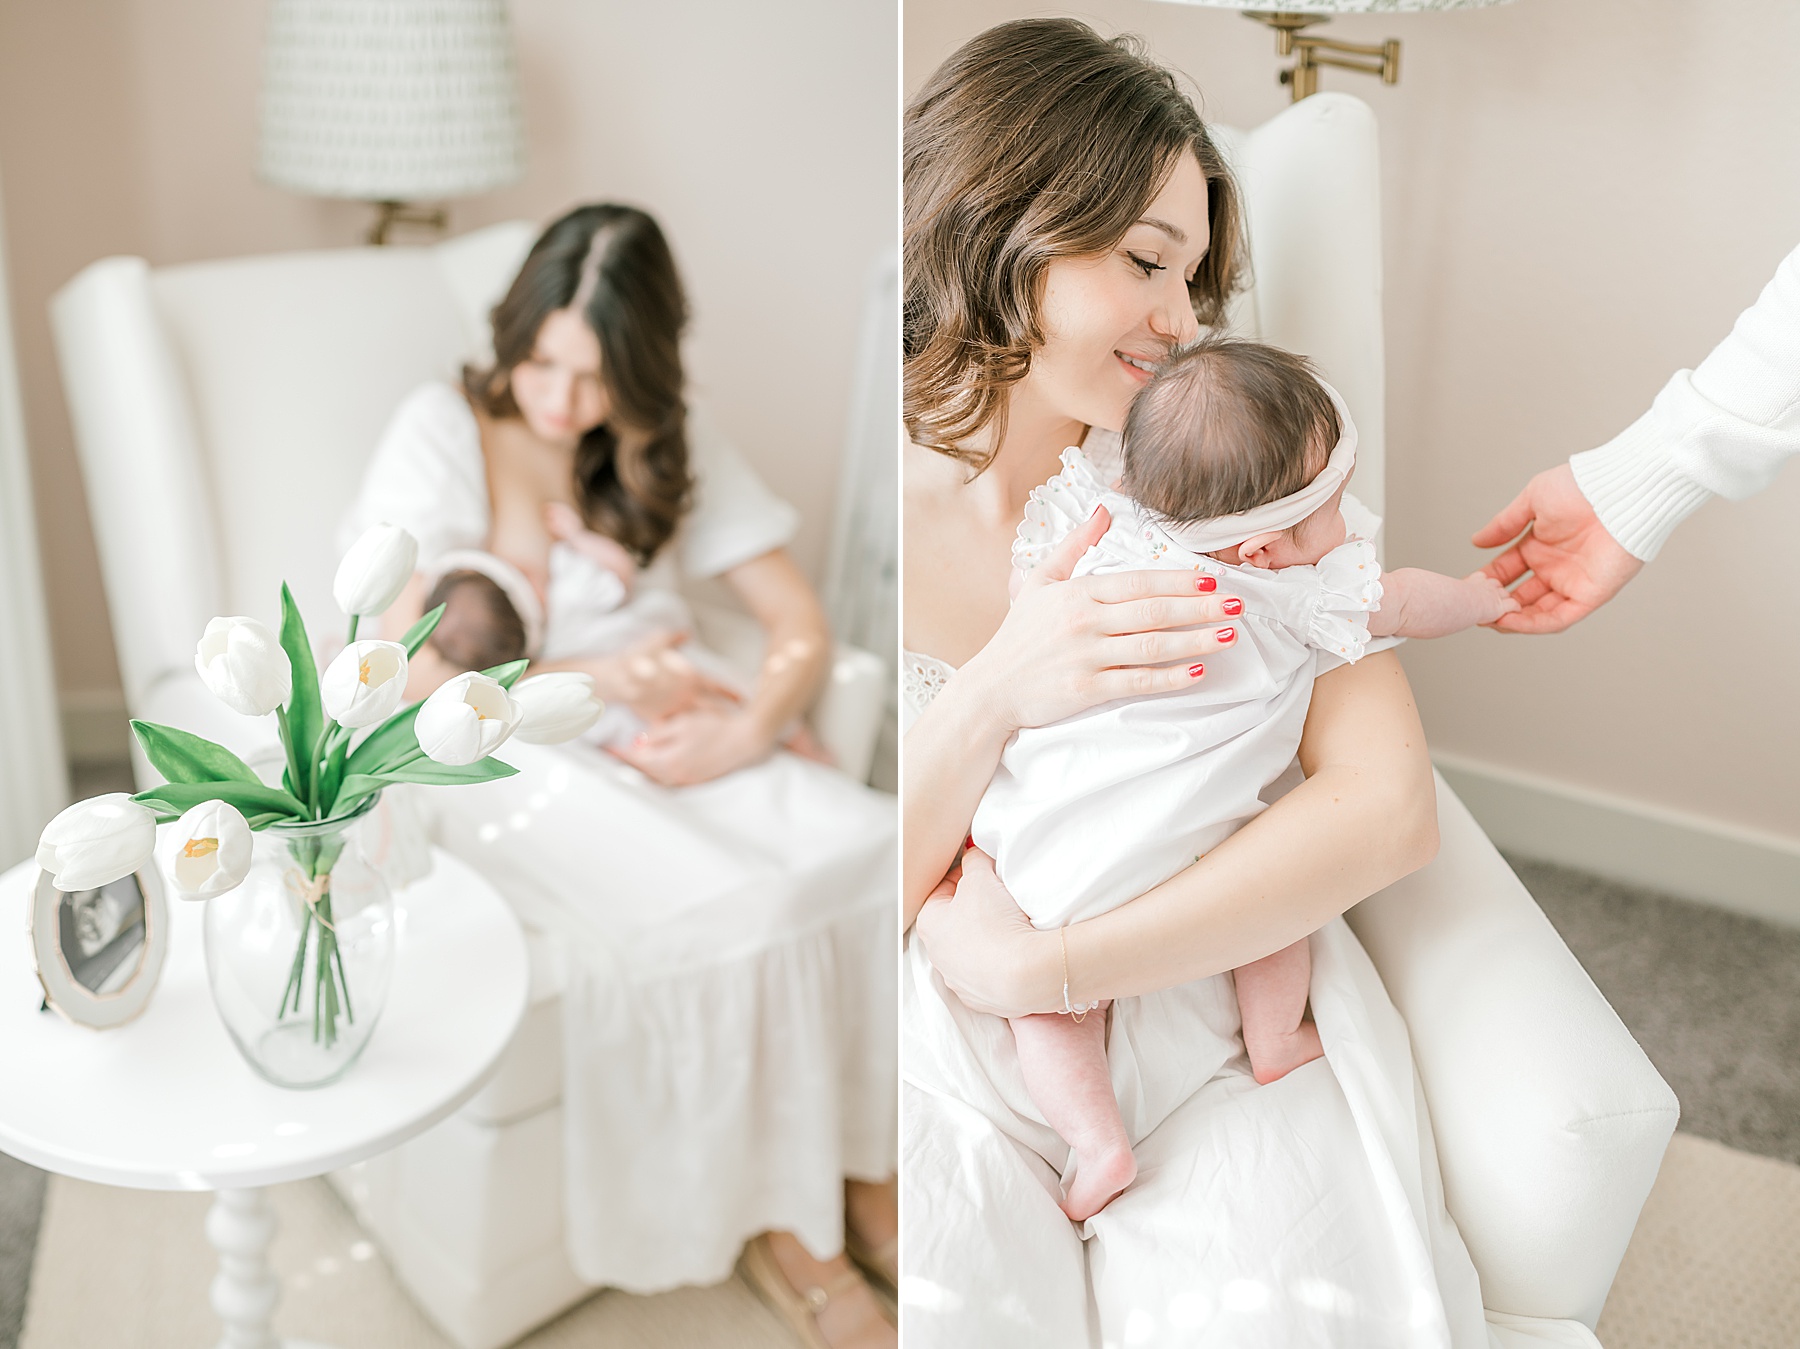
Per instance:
(612,265)
(1037,140)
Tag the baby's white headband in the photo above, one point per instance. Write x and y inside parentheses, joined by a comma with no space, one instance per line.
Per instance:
(512,582)
(1228,531)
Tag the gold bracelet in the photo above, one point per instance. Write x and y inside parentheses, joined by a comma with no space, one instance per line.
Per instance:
(1068,1009)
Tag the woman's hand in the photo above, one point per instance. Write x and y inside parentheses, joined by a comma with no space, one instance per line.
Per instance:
(1068,645)
(698,745)
(651,677)
(984,946)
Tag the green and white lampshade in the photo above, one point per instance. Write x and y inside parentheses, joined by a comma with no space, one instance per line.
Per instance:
(390,100)
(1339,6)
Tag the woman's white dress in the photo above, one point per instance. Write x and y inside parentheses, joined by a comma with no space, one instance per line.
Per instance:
(729,992)
(1308,1212)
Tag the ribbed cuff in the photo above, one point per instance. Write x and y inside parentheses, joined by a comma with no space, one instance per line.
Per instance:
(1636,489)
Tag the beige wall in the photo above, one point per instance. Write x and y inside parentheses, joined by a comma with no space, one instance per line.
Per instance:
(129,126)
(1579,198)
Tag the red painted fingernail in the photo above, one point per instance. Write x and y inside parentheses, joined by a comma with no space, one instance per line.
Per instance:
(968,842)
(1233,607)
(1226,635)
(1195,671)
(1206,584)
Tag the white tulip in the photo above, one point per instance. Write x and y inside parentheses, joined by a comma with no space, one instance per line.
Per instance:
(556,707)
(212,850)
(95,842)
(468,718)
(375,570)
(242,663)
(364,684)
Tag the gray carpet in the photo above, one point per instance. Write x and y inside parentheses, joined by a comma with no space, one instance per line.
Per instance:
(1713,997)
(21,1206)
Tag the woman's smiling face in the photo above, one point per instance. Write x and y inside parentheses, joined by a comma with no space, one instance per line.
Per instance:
(1108,320)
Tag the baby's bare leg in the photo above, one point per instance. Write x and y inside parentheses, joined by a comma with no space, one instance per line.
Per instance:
(1271,995)
(1064,1064)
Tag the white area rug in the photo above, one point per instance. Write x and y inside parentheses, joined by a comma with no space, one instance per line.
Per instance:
(1715,1262)
(130,1268)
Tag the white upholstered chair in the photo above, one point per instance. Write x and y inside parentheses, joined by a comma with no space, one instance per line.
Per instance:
(223,414)
(1550,1122)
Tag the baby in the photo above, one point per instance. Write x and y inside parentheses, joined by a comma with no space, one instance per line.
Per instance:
(493,614)
(1232,464)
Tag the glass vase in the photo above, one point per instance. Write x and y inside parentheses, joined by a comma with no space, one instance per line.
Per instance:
(299,957)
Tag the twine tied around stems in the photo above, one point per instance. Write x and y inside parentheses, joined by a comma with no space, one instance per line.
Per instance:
(311,890)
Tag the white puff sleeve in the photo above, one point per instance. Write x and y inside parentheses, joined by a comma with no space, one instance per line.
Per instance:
(735,517)
(1054,510)
(427,475)
(1349,590)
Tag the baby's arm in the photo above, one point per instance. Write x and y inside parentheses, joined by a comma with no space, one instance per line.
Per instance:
(565,523)
(1418,603)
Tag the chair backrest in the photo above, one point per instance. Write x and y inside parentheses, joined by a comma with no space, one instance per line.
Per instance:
(224,413)
(1311,180)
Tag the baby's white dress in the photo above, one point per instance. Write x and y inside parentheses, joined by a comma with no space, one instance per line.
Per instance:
(1087,814)
(1306,1214)
(729,991)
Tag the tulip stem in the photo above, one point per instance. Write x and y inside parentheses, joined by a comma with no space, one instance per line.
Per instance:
(354,620)
(287,743)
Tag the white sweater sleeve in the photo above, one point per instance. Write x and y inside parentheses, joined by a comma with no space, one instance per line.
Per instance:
(1724,429)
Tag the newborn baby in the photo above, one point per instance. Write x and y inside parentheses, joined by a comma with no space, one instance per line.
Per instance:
(1232,465)
(493,614)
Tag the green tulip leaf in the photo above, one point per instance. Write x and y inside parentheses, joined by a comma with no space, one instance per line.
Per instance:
(418,633)
(391,740)
(252,798)
(357,786)
(183,757)
(508,674)
(305,716)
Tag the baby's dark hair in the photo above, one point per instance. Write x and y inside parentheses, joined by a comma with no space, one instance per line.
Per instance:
(480,627)
(1225,426)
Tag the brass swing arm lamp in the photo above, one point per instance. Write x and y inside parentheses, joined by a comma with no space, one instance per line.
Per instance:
(1309,53)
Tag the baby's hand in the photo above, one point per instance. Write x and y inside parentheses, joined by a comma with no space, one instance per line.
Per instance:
(1489,598)
(565,523)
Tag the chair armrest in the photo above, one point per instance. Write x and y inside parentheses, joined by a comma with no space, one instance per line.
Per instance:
(1550,1121)
(846,717)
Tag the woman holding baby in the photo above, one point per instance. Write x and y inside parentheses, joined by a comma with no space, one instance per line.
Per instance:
(1068,225)
(726,905)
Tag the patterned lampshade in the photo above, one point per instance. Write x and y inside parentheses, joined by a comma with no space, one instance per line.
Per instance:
(390,100)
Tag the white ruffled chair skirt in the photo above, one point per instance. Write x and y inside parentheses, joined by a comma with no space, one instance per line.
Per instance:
(729,1002)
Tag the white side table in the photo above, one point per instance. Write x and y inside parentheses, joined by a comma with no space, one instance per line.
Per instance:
(167,1103)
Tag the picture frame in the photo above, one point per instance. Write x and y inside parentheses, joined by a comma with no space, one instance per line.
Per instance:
(99,953)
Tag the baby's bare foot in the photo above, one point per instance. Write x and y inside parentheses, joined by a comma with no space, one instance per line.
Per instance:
(1104,1167)
(1275,1056)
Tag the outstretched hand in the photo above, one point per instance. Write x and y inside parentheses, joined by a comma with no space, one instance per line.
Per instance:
(1570,564)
